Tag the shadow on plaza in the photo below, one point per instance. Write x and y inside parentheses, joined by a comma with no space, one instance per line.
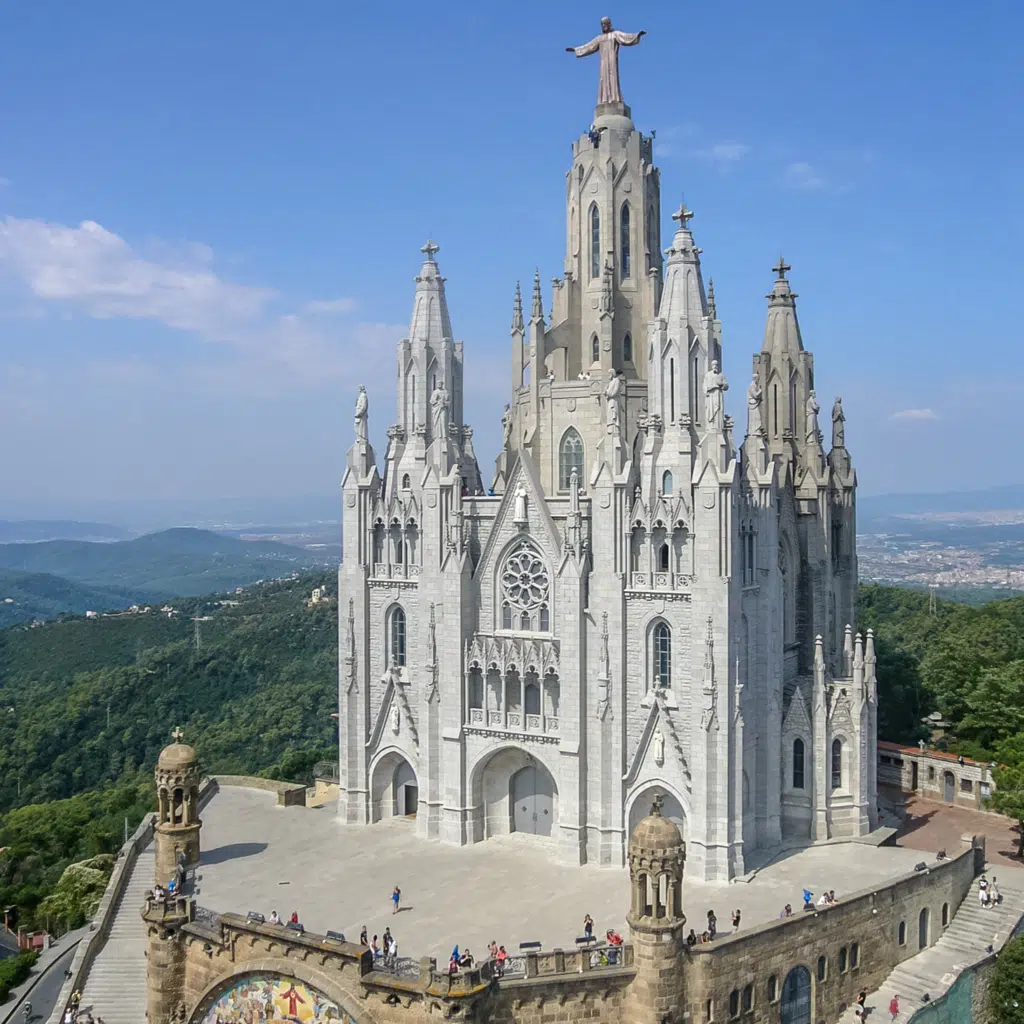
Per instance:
(233,851)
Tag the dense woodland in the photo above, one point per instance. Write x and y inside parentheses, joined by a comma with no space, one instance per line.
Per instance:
(87,705)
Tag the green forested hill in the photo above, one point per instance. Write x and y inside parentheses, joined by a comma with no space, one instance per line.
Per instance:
(85,703)
(49,577)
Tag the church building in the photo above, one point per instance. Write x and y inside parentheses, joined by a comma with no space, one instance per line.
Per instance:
(644,597)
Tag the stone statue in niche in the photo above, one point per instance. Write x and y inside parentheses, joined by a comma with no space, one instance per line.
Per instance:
(396,718)
(812,418)
(659,747)
(506,426)
(754,396)
(613,398)
(439,405)
(519,511)
(715,385)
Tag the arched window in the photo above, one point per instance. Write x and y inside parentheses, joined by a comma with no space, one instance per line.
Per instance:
(476,690)
(798,764)
(524,622)
(662,637)
(595,350)
(651,241)
(842,960)
(595,242)
(624,241)
(734,1003)
(663,558)
(570,457)
(822,968)
(506,616)
(666,482)
(531,699)
(406,482)
(922,929)
(545,619)
(748,998)
(627,349)
(397,638)
(854,956)
(945,914)
(672,390)
(837,763)
(901,935)
(773,989)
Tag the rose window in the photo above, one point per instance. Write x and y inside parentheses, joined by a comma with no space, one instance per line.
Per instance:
(525,579)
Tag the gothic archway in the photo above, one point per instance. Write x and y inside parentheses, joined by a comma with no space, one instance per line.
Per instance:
(513,791)
(394,791)
(639,806)
(796,997)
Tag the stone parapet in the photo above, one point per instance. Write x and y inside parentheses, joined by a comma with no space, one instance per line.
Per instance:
(289,794)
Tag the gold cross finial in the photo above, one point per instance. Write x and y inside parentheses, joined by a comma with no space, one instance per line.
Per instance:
(177,735)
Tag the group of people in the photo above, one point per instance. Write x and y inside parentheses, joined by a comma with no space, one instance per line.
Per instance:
(711,930)
(988,892)
(826,899)
(275,918)
(384,949)
(73,1014)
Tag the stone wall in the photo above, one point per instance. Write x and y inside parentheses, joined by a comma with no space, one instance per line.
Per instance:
(289,794)
(858,940)
(924,772)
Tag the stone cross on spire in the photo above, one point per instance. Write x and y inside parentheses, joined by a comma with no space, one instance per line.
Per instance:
(431,249)
(177,735)
(780,268)
(684,216)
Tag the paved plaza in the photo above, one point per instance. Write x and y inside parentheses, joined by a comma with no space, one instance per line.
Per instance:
(257,856)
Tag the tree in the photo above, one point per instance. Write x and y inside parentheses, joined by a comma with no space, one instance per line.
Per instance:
(1006,987)
(1008,797)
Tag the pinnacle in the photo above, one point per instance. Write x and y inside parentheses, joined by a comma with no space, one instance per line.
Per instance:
(517,310)
(537,312)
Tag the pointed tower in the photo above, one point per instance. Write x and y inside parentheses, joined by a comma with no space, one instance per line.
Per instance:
(430,390)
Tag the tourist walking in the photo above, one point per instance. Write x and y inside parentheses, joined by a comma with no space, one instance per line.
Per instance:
(712,923)
(386,941)
(588,926)
(858,1008)
(362,937)
(894,1006)
(396,898)
(736,920)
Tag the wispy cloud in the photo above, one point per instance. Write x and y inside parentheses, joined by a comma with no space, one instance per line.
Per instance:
(90,269)
(724,154)
(318,306)
(915,414)
(803,175)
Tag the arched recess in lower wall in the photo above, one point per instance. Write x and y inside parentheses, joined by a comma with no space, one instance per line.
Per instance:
(270,984)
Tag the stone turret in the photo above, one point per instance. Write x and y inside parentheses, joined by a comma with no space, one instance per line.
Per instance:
(657,855)
(178,824)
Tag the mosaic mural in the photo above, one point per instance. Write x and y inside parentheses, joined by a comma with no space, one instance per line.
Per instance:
(269,997)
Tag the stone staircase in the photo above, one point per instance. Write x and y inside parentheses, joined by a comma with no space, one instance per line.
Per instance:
(116,986)
(964,942)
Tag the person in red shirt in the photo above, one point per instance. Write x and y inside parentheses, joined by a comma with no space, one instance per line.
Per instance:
(894,1006)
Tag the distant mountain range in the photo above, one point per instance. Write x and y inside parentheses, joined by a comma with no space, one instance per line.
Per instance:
(40,580)
(875,512)
(23,531)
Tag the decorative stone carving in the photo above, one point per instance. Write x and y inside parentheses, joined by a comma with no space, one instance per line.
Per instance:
(362,413)
(607,46)
(754,396)
(714,386)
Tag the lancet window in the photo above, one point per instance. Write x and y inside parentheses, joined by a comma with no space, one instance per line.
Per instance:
(624,255)
(525,589)
(595,242)
(570,457)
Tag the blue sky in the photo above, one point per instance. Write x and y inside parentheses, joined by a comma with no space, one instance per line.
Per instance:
(210,217)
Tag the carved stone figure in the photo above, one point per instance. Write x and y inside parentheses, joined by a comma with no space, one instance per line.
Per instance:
(812,418)
(607,45)
(658,743)
(754,396)
(439,405)
(838,424)
(362,413)
(520,506)
(506,426)
(714,386)
(396,718)
(613,394)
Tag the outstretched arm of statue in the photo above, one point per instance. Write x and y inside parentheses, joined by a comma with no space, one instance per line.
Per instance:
(586,49)
(629,38)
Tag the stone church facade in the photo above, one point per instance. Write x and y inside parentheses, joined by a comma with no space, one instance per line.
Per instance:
(639,601)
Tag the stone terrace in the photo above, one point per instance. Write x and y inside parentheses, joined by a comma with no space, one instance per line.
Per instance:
(257,856)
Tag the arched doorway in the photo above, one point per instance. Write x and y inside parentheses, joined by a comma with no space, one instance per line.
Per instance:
(796,997)
(393,788)
(532,795)
(671,808)
(407,794)
(922,929)
(949,787)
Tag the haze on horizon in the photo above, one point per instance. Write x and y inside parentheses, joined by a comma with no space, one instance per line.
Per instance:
(208,238)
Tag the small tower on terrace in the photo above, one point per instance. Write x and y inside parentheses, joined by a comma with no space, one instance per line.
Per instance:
(178,824)
(657,855)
